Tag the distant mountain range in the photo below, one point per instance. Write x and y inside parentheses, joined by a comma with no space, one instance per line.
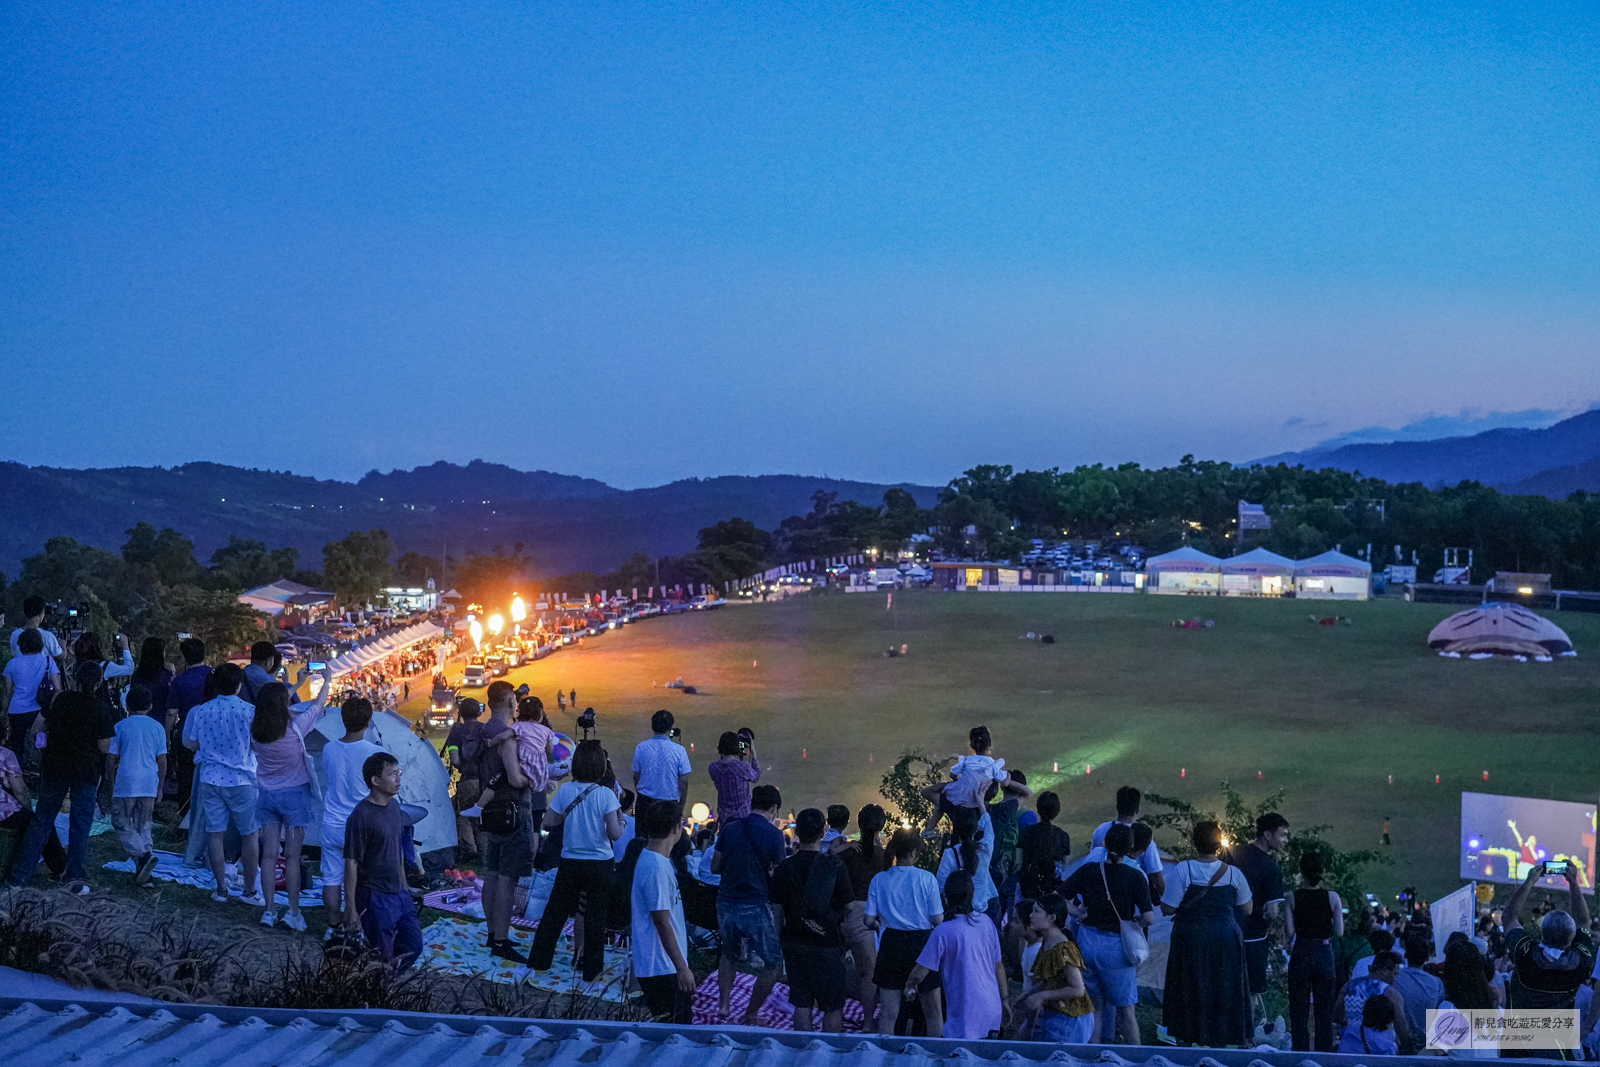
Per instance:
(1553,461)
(564,523)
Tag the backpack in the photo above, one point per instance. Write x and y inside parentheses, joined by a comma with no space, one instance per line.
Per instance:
(817,912)
(472,746)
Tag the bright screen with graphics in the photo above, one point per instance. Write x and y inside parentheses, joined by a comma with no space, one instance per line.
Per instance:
(1502,838)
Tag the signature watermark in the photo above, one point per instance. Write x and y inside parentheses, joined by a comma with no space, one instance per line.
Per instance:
(1502,1028)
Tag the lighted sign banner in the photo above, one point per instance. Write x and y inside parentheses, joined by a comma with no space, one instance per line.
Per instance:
(1502,838)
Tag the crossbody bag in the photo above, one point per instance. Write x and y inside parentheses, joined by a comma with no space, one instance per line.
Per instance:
(1135,946)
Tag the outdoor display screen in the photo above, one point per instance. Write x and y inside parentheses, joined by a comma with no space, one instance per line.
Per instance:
(1502,838)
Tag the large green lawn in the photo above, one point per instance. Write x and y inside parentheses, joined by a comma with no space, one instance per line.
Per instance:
(1328,713)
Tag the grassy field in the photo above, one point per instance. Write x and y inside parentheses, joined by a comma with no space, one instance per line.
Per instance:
(1327,713)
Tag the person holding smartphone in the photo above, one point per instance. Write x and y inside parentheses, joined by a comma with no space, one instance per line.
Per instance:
(1548,968)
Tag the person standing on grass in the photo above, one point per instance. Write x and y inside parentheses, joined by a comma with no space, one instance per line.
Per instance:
(590,818)
(136,763)
(376,896)
(864,859)
(1313,917)
(1044,846)
(33,609)
(1207,997)
(660,938)
(218,733)
(1111,891)
(262,671)
(964,951)
(811,892)
(29,668)
(735,771)
(1129,800)
(903,905)
(1419,990)
(343,762)
(188,691)
(151,671)
(660,767)
(288,785)
(506,856)
(16,812)
(747,851)
(1261,871)
(78,731)
(464,749)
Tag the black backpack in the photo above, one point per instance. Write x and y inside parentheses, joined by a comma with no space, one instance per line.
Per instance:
(817,912)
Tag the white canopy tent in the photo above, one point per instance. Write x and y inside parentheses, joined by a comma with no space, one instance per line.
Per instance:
(1333,576)
(387,645)
(1185,570)
(1257,573)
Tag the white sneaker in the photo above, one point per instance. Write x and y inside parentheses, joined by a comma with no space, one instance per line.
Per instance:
(255,899)
(220,898)
(269,917)
(294,921)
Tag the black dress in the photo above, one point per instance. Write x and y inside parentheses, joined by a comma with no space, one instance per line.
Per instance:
(1207,1000)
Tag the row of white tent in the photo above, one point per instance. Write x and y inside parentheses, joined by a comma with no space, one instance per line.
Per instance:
(1330,576)
(387,645)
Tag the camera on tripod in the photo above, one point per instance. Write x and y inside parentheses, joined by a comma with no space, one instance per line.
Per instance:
(586,724)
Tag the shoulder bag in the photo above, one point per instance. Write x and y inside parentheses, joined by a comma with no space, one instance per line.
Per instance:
(1135,946)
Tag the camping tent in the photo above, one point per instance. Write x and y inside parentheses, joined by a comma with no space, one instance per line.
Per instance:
(1185,570)
(424,780)
(1257,573)
(1500,626)
(1333,576)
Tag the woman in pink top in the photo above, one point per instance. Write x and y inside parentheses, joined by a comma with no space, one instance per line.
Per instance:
(288,792)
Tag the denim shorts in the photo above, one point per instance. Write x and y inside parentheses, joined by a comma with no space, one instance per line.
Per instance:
(1064,1029)
(749,936)
(231,802)
(1107,976)
(290,807)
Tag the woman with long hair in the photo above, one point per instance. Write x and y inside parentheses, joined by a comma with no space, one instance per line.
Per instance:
(863,860)
(152,672)
(1312,918)
(1206,1001)
(903,905)
(969,847)
(1466,985)
(1111,891)
(590,817)
(1066,1013)
(1044,845)
(964,951)
(288,791)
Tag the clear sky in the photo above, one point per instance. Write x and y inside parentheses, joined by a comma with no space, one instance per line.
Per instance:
(879,240)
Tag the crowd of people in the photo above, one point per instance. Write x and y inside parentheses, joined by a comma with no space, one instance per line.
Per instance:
(979,922)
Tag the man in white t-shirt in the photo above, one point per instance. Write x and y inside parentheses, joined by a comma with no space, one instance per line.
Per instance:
(33,609)
(1128,801)
(659,936)
(137,765)
(341,764)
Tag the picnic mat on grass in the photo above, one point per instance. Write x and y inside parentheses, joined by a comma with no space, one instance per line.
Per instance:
(101,825)
(456,946)
(776,1014)
(170,868)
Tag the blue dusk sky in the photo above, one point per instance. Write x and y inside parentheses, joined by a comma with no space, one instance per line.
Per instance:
(886,241)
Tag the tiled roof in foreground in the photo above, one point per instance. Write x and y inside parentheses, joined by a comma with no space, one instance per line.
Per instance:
(55,1034)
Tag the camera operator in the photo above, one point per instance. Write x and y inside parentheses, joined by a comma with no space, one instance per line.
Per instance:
(660,768)
(33,609)
(738,770)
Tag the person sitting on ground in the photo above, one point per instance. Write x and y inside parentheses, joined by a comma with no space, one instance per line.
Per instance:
(1419,991)
(1374,1034)
(1378,982)
(16,812)
(376,897)
(137,765)
(1379,941)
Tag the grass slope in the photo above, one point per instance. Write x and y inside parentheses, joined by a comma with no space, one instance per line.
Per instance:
(1328,713)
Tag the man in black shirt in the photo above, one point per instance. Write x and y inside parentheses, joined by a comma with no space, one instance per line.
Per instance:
(78,733)
(1261,872)
(1548,968)
(1111,890)
(375,891)
(811,893)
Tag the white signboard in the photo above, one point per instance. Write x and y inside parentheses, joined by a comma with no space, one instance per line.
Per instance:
(1455,911)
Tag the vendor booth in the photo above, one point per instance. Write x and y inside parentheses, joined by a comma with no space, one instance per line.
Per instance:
(1257,573)
(1186,570)
(1333,576)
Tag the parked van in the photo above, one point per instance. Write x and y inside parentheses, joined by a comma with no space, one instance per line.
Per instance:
(476,677)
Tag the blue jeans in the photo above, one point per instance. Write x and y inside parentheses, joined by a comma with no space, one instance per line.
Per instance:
(1064,1029)
(52,792)
(1311,995)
